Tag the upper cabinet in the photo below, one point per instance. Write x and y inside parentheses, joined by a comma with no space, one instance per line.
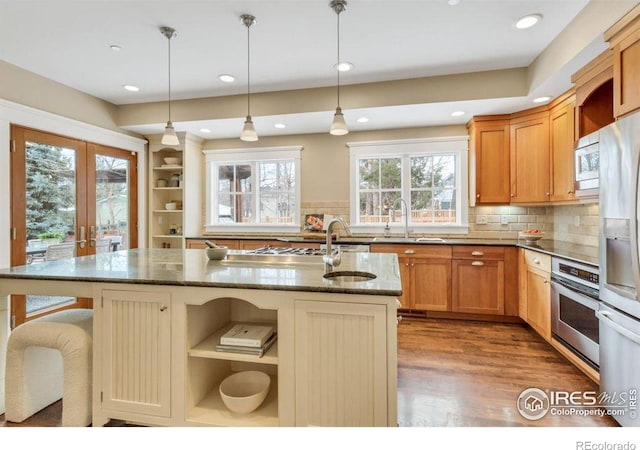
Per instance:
(624,41)
(489,156)
(594,95)
(562,144)
(530,169)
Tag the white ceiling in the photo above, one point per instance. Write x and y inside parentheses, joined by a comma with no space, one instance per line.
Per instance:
(293,46)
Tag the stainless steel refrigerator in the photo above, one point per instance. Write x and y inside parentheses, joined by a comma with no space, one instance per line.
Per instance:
(619,254)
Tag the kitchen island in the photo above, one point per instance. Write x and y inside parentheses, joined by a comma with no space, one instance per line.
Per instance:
(158,315)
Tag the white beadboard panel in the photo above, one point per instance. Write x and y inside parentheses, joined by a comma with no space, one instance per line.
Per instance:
(137,339)
(340,364)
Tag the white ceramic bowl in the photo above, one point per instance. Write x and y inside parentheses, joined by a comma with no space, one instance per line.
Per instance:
(171,206)
(217,253)
(243,392)
(172,161)
(529,237)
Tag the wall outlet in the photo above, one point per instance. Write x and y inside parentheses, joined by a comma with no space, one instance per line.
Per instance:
(504,220)
(481,220)
(576,221)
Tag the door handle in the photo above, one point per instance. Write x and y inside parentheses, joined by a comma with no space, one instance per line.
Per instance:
(83,237)
(92,236)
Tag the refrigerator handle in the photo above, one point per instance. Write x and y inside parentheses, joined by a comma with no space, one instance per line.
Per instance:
(605,318)
(633,222)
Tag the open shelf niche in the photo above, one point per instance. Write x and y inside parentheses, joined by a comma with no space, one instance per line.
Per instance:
(206,367)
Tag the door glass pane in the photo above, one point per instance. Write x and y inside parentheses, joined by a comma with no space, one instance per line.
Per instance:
(112,204)
(50,210)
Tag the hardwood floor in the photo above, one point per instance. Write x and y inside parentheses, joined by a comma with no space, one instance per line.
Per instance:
(454,373)
(466,373)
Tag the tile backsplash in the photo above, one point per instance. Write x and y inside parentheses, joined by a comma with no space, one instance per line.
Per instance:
(573,224)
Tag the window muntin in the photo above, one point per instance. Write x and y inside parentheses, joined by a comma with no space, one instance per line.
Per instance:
(260,188)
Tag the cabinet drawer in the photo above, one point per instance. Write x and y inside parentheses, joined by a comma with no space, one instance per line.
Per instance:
(478,252)
(537,260)
(426,250)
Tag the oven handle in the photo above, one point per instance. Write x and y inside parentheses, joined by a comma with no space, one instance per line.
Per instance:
(606,319)
(592,302)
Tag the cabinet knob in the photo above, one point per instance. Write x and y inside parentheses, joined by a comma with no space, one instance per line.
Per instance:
(163,308)
(546,281)
(536,261)
(477,195)
(477,263)
(409,251)
(477,253)
(399,319)
(513,195)
(413,265)
(569,192)
(548,194)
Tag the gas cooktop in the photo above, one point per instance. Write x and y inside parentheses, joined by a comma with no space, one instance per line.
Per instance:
(277,255)
(268,250)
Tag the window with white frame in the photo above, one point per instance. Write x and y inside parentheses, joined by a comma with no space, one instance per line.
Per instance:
(253,189)
(428,175)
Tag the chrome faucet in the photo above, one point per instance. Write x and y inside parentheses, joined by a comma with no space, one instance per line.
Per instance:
(329,260)
(406,215)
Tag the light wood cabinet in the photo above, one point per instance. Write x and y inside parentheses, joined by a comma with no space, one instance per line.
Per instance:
(535,291)
(489,160)
(478,280)
(136,352)
(181,183)
(425,271)
(562,144)
(624,40)
(340,364)
(530,158)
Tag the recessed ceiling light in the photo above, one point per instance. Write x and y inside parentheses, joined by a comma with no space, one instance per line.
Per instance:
(457,113)
(528,21)
(541,99)
(131,88)
(280,125)
(205,130)
(226,78)
(363,120)
(115,48)
(344,66)
(453,2)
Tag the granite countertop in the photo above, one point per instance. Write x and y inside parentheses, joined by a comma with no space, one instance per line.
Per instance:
(191,267)
(568,250)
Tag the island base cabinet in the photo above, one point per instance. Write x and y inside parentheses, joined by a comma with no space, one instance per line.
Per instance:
(341,364)
(136,352)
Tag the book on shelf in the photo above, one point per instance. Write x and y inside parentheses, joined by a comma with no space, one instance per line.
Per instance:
(247,335)
(258,351)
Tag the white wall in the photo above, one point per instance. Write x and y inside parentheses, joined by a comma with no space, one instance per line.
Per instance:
(13,113)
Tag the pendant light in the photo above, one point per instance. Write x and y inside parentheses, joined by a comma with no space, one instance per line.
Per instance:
(248,131)
(169,137)
(338,126)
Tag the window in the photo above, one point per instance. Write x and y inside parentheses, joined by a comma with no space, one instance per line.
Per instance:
(429,176)
(253,189)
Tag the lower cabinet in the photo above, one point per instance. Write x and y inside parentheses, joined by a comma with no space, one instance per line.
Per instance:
(478,286)
(340,364)
(535,291)
(136,352)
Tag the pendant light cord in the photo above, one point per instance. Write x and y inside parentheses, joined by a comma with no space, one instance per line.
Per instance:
(169,70)
(338,64)
(248,72)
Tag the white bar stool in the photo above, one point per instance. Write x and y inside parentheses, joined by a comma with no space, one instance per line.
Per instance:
(47,359)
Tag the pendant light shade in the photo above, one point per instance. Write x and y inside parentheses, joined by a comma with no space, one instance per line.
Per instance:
(169,137)
(248,131)
(338,126)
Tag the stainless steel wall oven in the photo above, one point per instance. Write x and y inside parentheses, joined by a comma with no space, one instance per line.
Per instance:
(574,302)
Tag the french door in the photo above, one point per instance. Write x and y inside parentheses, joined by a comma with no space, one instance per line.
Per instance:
(68,198)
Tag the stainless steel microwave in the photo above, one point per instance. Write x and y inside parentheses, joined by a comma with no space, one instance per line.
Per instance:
(587,165)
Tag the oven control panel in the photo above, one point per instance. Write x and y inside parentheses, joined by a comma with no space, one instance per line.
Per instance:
(582,274)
